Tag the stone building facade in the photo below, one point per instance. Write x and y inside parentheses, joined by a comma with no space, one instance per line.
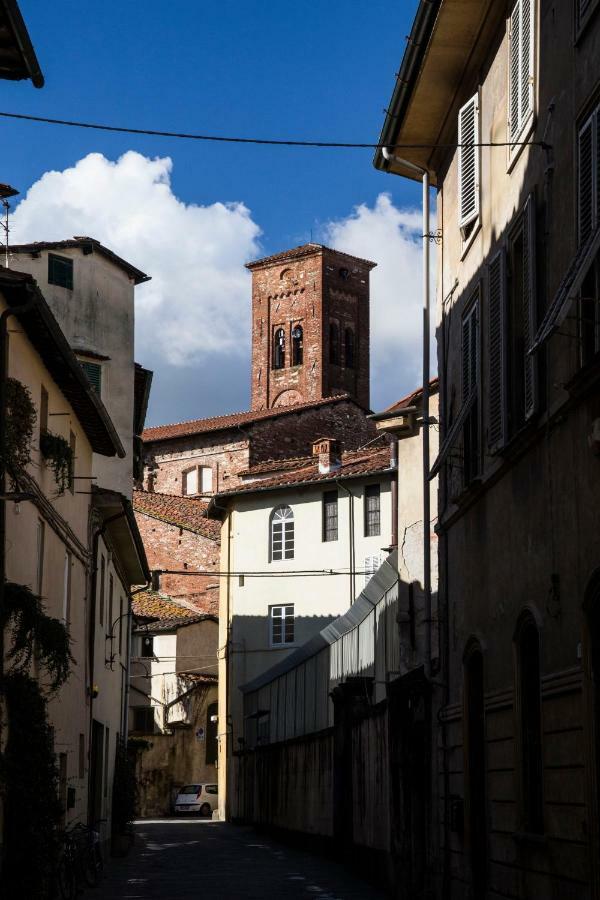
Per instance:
(510,139)
(310,326)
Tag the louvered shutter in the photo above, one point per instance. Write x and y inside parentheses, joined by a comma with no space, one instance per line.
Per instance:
(496,351)
(530,306)
(514,69)
(526,63)
(470,351)
(597,166)
(586,180)
(94,374)
(468,161)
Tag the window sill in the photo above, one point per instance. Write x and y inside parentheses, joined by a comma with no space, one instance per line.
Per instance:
(468,243)
(514,151)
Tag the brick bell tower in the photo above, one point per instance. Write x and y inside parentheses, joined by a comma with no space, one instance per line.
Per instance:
(310,326)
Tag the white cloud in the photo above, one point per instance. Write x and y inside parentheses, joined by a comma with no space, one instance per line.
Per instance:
(391,237)
(198,300)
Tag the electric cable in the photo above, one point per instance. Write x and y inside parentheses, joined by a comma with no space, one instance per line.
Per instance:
(271,142)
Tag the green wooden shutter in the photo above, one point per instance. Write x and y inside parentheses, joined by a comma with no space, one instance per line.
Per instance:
(94,374)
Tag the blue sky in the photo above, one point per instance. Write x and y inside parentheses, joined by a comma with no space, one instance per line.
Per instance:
(324,70)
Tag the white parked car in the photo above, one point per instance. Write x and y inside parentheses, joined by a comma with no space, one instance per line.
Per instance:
(197,798)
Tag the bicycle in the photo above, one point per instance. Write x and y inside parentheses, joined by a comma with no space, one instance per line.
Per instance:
(81,861)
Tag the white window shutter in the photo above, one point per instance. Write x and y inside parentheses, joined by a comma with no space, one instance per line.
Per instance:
(514,70)
(468,161)
(497,351)
(526,67)
(530,303)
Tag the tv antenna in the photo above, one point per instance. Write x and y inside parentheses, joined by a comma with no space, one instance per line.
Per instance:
(6,191)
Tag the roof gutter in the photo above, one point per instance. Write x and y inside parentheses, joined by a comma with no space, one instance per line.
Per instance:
(405,81)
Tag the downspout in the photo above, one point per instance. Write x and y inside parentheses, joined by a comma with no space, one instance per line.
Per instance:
(426,375)
(395,488)
(351,539)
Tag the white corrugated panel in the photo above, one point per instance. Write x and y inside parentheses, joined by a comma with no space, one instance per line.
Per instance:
(309,692)
(300,700)
(366,646)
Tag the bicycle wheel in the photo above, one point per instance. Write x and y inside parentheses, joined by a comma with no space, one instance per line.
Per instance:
(90,867)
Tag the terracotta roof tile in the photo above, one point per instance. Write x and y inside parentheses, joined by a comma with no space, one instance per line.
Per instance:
(354,463)
(220,423)
(152,605)
(414,397)
(304,250)
(184,512)
(83,242)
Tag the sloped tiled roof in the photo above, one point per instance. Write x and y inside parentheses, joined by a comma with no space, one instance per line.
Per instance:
(354,463)
(414,397)
(152,605)
(220,423)
(84,242)
(304,250)
(183,512)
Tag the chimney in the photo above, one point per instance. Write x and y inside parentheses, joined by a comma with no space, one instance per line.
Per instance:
(328,452)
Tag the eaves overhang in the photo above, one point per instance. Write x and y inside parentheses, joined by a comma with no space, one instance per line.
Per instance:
(17,56)
(117,512)
(446,48)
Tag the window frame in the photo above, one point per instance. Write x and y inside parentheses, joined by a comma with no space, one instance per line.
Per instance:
(497,333)
(471,430)
(91,366)
(372,491)
(287,523)
(67,262)
(330,532)
(297,345)
(283,617)
(278,355)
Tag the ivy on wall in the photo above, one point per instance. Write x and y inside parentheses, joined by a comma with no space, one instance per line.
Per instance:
(20,422)
(59,456)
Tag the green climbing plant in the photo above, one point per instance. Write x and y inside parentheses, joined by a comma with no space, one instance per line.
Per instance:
(59,456)
(21,417)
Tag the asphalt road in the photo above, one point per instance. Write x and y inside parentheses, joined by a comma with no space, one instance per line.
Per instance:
(178,859)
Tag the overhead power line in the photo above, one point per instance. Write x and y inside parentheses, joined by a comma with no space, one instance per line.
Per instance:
(270,142)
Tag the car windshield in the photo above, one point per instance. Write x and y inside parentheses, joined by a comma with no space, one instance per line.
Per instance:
(191,789)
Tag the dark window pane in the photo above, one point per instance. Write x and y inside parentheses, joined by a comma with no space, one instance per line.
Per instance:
(60,271)
(372,510)
(330,516)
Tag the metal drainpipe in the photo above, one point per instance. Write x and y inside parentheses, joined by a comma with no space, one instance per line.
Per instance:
(426,375)
(395,489)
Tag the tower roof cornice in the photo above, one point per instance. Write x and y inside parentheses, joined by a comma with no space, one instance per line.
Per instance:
(302,251)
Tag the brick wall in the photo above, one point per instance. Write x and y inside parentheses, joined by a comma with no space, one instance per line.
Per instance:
(171,547)
(226,452)
(310,292)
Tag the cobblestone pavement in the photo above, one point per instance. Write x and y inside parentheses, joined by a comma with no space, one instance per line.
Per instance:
(184,859)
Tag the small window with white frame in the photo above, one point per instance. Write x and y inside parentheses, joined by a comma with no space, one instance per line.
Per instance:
(197,480)
(281,619)
(521,70)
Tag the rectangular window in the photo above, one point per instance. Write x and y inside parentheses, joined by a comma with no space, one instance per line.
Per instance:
(372,510)
(147,648)
(39,576)
(497,351)
(143,719)
(282,624)
(43,411)
(73,449)
(190,482)
(67,589)
(206,479)
(470,390)
(372,563)
(282,534)
(330,516)
(60,271)
(521,68)
(522,321)
(102,586)
(94,374)
(468,164)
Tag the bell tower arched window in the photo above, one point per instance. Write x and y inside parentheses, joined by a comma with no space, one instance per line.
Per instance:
(334,343)
(282,533)
(297,345)
(279,349)
(349,348)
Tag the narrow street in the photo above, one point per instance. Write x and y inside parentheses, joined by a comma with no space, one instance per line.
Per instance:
(184,859)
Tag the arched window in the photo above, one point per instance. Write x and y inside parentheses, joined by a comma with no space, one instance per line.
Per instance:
(282,533)
(279,349)
(474,743)
(529,723)
(349,348)
(297,345)
(334,343)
